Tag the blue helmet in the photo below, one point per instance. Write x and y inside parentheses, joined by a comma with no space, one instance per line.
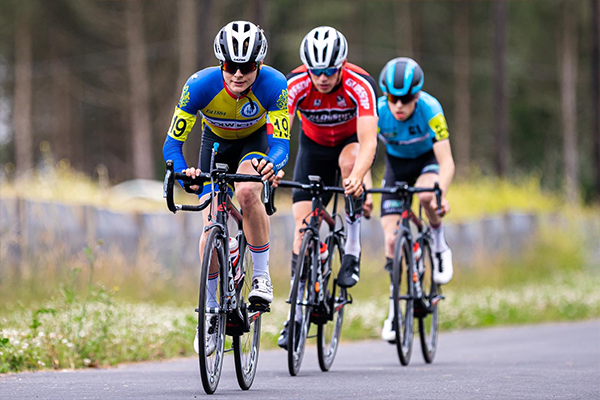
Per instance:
(401,76)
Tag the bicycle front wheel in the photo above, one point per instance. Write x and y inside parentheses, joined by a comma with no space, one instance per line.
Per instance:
(428,319)
(299,324)
(402,296)
(211,316)
(246,346)
(328,332)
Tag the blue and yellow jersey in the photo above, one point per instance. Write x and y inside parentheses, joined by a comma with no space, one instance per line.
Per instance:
(229,116)
(416,135)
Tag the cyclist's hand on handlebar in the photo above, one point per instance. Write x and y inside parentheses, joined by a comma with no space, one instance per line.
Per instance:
(264,167)
(353,186)
(368,206)
(277,179)
(193,173)
(445,207)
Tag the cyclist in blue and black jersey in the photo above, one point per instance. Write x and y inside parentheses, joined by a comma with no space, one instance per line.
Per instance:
(414,129)
(244,107)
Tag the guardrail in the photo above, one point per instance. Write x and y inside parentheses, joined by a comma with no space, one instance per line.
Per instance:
(28,226)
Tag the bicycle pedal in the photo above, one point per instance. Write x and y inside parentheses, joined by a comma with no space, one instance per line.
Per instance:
(259,307)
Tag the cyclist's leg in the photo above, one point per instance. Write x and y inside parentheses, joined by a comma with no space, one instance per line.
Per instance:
(255,216)
(443,268)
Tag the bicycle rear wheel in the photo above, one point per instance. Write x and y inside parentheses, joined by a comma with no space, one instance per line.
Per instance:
(210,306)
(246,346)
(301,295)
(328,333)
(402,295)
(428,322)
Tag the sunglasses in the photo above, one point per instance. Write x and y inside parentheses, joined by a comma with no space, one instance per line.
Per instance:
(407,98)
(245,68)
(327,71)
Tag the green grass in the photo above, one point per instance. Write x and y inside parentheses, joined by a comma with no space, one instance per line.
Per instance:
(87,320)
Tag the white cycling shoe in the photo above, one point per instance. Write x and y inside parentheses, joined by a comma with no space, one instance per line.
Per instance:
(387,332)
(262,290)
(211,337)
(442,271)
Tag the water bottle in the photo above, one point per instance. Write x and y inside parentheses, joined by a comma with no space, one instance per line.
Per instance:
(234,257)
(417,254)
(324,253)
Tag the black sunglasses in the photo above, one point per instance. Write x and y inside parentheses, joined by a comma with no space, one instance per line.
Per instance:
(407,98)
(245,68)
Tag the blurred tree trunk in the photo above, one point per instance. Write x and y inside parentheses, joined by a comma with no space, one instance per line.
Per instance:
(62,102)
(23,92)
(416,17)
(187,33)
(207,30)
(403,28)
(502,150)
(462,93)
(567,51)
(143,157)
(596,93)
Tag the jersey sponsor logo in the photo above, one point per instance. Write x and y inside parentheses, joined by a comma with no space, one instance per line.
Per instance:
(392,205)
(229,124)
(317,103)
(249,110)
(415,130)
(439,126)
(328,117)
(341,101)
(296,88)
(387,138)
(213,112)
(282,101)
(185,97)
(363,96)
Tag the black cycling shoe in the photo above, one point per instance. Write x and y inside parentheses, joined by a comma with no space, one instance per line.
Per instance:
(349,272)
(283,336)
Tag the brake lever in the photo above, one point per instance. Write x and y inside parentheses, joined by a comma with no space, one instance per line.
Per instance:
(438,197)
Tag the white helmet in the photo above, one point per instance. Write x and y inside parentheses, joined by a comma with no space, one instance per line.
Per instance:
(324,47)
(240,42)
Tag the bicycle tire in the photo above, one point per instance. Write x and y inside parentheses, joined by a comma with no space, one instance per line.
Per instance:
(428,322)
(329,332)
(403,320)
(211,364)
(296,346)
(246,347)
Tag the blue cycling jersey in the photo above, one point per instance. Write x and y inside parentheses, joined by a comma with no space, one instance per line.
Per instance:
(232,117)
(416,135)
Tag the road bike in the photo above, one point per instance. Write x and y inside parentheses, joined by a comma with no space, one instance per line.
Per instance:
(235,315)
(414,293)
(316,293)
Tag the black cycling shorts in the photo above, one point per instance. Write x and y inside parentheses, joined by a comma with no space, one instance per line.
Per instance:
(404,170)
(315,159)
(231,152)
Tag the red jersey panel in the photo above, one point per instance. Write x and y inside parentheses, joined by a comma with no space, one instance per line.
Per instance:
(330,118)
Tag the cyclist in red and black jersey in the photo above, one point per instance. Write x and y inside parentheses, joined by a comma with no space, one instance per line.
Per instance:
(337,106)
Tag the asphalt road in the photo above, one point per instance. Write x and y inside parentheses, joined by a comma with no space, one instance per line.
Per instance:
(554,361)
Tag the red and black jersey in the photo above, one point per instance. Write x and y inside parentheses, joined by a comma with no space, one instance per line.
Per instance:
(330,118)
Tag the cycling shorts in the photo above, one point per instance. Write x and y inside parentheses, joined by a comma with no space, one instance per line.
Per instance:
(231,152)
(315,159)
(404,170)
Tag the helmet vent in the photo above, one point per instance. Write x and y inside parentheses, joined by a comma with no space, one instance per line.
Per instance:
(246,28)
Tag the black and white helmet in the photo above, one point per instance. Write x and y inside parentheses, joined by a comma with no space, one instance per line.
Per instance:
(240,42)
(324,47)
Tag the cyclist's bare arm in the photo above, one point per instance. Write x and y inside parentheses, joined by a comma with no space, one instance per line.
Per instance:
(366,128)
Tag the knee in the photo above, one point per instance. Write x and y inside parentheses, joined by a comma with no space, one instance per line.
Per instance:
(246,194)
(346,165)
(425,198)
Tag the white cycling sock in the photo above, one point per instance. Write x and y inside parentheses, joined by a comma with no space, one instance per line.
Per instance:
(260,258)
(439,242)
(391,312)
(353,237)
(212,290)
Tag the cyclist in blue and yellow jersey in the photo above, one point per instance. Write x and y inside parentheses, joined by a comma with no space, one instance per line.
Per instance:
(244,107)
(414,129)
